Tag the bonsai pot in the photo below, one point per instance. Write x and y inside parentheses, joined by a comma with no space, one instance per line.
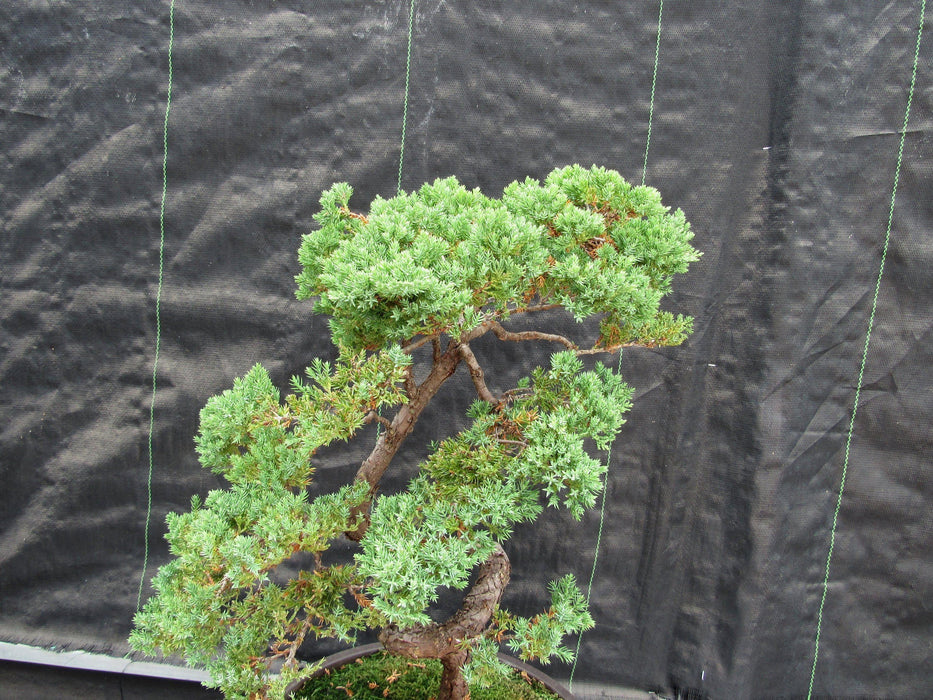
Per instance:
(348,656)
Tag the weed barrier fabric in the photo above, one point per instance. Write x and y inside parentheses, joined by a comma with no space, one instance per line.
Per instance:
(775,126)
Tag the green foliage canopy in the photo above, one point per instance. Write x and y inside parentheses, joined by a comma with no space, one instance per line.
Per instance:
(444,259)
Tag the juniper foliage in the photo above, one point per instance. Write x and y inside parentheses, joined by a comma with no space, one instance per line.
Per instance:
(426,272)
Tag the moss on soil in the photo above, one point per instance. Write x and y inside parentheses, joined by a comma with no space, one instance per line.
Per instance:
(383,676)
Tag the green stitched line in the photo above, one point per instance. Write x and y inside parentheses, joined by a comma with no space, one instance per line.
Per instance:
(602,504)
(861,372)
(654,82)
(401,157)
(158,339)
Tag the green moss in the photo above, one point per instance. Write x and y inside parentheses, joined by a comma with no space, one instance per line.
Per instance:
(383,676)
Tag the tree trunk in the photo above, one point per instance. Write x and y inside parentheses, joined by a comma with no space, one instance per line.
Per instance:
(453,682)
(375,465)
(449,641)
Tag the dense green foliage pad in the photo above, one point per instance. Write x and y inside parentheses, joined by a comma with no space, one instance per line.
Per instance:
(445,258)
(433,269)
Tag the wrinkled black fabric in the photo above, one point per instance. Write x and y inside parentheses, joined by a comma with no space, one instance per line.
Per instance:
(775,126)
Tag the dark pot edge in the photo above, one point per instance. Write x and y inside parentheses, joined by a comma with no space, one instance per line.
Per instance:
(341,658)
(551,684)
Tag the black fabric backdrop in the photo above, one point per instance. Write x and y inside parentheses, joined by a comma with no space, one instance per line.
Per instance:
(775,126)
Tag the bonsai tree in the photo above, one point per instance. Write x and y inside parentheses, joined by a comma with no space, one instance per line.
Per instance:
(409,287)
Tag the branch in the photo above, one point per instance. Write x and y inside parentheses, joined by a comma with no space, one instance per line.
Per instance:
(435,339)
(511,393)
(298,641)
(539,307)
(596,350)
(502,334)
(476,374)
(424,340)
(373,416)
(410,386)
(354,215)
(387,445)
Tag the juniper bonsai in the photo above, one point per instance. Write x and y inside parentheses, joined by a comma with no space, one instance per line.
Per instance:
(409,286)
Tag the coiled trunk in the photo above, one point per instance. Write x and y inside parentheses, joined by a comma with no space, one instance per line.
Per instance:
(450,641)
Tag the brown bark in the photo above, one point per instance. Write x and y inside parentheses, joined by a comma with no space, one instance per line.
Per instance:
(389,442)
(445,640)
(503,334)
(444,364)
(374,466)
(476,374)
(453,682)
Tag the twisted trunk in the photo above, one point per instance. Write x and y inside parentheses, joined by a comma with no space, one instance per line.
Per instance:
(389,442)
(449,641)
(444,364)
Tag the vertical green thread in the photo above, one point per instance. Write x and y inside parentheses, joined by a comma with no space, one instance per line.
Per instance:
(158,304)
(599,538)
(654,82)
(602,504)
(861,372)
(401,157)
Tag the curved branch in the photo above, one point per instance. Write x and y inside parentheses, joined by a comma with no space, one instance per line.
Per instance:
(373,416)
(476,374)
(502,334)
